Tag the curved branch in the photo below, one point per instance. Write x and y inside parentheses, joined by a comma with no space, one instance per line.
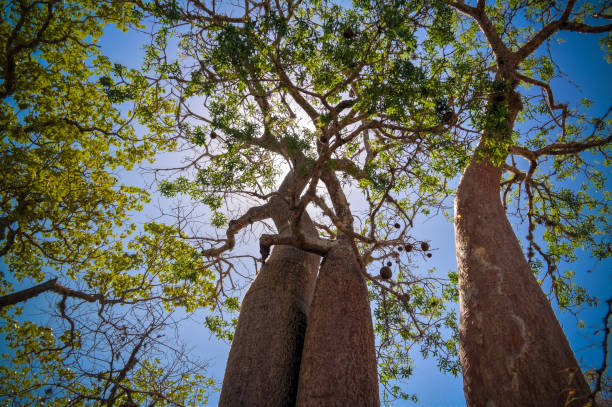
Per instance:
(546,32)
(573,147)
(254,214)
(53,286)
(550,98)
(307,243)
(479,15)
(562,24)
(330,214)
(586,28)
(294,92)
(560,148)
(215,18)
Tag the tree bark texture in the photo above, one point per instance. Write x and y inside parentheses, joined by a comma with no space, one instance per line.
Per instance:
(264,359)
(513,350)
(339,359)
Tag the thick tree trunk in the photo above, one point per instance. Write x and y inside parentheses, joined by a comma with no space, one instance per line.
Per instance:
(513,350)
(264,360)
(339,359)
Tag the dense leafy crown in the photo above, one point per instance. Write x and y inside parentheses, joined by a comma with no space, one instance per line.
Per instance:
(328,97)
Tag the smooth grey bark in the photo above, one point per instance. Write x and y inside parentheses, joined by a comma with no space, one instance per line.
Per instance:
(264,359)
(339,365)
(513,350)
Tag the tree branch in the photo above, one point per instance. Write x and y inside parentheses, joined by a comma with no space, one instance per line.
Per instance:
(560,148)
(295,94)
(606,349)
(573,147)
(550,100)
(28,293)
(549,29)
(479,15)
(310,244)
(338,198)
(53,286)
(254,214)
(585,28)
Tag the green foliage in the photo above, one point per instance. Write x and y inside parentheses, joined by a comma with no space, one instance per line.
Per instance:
(61,136)
(441,31)
(568,294)
(64,214)
(222,329)
(436,333)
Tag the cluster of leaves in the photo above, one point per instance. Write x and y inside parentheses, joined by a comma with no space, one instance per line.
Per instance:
(64,219)
(62,138)
(427,299)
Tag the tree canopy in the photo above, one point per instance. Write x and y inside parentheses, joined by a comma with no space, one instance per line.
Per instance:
(362,116)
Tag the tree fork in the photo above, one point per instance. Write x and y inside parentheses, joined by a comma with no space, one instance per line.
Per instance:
(339,358)
(513,350)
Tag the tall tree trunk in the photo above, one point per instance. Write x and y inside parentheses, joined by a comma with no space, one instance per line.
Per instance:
(264,359)
(339,359)
(513,350)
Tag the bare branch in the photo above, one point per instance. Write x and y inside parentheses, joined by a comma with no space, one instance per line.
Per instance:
(606,349)
(585,28)
(254,214)
(310,244)
(550,100)
(28,293)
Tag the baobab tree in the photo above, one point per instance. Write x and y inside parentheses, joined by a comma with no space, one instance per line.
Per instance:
(513,350)
(293,90)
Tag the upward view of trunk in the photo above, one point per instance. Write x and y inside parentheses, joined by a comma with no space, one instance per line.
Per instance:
(339,359)
(513,350)
(264,359)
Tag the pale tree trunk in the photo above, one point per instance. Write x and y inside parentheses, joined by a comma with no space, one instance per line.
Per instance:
(264,359)
(513,350)
(339,359)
